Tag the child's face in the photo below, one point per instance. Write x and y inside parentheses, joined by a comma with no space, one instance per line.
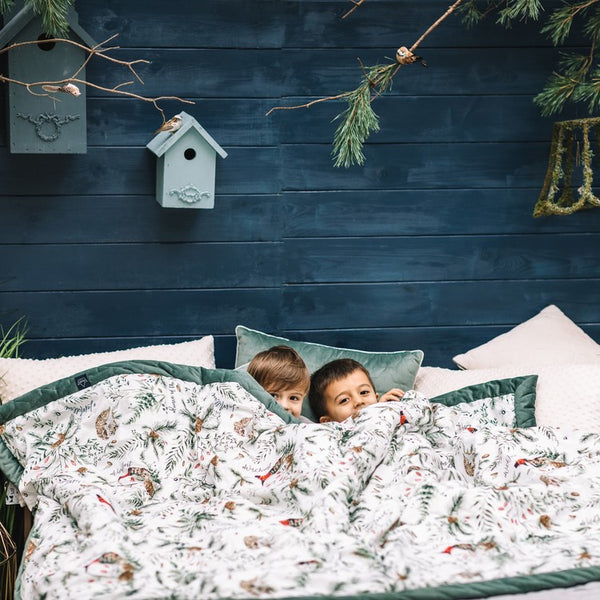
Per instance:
(346,397)
(290,399)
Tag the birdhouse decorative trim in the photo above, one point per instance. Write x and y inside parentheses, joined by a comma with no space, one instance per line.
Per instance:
(186,162)
(40,123)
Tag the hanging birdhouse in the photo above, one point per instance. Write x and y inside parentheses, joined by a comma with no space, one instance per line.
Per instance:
(47,122)
(186,163)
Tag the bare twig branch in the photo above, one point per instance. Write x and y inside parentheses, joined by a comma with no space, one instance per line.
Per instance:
(356,3)
(450,10)
(98,50)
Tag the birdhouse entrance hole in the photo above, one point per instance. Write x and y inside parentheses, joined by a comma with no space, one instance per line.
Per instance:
(189,154)
(45,45)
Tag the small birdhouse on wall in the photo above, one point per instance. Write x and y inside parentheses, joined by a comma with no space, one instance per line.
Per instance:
(186,163)
(41,123)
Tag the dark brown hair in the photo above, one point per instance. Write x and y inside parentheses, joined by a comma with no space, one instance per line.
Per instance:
(279,368)
(327,374)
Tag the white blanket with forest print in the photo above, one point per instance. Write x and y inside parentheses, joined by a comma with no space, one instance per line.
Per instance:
(151,487)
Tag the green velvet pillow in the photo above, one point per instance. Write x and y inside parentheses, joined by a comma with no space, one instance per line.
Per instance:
(387,369)
(522,388)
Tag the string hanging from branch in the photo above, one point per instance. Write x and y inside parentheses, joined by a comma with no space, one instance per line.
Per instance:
(566,152)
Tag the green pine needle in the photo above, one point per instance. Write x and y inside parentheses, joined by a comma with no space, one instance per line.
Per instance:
(359,120)
(54,15)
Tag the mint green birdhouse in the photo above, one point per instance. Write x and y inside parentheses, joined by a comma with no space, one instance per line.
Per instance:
(186,164)
(49,121)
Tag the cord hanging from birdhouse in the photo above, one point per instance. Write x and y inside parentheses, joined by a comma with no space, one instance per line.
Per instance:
(565,150)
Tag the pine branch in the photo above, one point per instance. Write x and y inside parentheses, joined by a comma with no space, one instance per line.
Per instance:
(359,120)
(53,14)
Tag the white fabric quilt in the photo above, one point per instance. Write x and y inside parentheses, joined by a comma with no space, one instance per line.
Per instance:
(151,487)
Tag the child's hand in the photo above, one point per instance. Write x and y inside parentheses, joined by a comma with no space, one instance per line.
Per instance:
(393,395)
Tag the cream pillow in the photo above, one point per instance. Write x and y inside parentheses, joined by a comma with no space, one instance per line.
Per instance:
(567,396)
(548,338)
(21,375)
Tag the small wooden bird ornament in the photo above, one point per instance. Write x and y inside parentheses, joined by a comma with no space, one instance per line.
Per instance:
(172,125)
(404,56)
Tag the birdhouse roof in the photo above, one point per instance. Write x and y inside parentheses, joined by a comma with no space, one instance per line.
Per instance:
(165,140)
(21,18)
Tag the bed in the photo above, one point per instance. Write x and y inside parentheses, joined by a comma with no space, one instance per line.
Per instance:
(150,478)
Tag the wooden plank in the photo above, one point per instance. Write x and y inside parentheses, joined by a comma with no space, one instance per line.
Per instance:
(195,72)
(424,212)
(120,171)
(420,119)
(320,24)
(136,219)
(210,23)
(425,166)
(263,23)
(139,266)
(441,258)
(135,313)
(129,122)
(271,73)
(451,71)
(432,304)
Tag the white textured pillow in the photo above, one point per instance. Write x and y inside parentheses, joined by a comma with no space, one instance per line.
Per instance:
(21,375)
(548,338)
(567,396)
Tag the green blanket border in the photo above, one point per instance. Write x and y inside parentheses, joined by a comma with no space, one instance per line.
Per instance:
(74,383)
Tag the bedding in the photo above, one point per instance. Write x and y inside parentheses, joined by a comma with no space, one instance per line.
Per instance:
(548,338)
(154,480)
(567,396)
(20,375)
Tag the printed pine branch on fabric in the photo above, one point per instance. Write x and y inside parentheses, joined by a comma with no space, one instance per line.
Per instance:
(150,486)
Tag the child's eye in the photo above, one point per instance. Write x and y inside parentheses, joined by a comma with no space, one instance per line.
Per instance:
(295,398)
(276,396)
(343,400)
(365,392)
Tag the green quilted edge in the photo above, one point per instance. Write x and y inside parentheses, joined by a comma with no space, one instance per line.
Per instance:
(523,388)
(68,385)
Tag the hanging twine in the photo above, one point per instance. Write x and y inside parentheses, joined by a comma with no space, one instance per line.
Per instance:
(8,564)
(563,148)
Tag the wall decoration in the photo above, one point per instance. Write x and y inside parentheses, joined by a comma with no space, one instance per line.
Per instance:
(186,163)
(571,147)
(38,124)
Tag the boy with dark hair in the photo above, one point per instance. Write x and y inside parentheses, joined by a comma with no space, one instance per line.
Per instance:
(282,373)
(341,388)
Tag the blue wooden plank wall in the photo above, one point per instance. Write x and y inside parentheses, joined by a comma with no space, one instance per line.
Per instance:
(430,245)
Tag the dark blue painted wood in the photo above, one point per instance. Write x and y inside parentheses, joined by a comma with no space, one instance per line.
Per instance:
(430,245)
(149,313)
(435,258)
(470,303)
(426,166)
(424,212)
(432,119)
(119,171)
(237,122)
(140,266)
(136,219)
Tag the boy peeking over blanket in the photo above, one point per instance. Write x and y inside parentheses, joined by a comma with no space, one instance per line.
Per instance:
(282,373)
(341,388)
